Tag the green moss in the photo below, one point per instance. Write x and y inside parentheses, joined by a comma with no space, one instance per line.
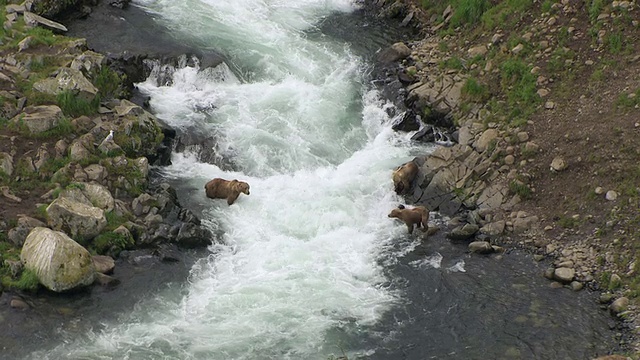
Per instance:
(520,189)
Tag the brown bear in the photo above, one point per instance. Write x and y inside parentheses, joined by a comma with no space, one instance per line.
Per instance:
(418,215)
(403,177)
(224,189)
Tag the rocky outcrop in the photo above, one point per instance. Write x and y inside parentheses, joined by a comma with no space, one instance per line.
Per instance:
(68,80)
(60,263)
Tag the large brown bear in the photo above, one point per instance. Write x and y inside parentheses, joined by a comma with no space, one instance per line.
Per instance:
(418,215)
(224,189)
(403,177)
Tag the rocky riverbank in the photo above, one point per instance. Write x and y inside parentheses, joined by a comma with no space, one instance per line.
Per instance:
(75,175)
(508,180)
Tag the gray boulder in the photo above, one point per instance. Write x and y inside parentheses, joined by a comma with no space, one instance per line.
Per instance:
(463,232)
(481,247)
(39,118)
(83,222)
(19,234)
(70,80)
(6,163)
(60,263)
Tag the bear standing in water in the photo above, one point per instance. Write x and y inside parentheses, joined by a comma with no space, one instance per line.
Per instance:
(418,215)
(224,189)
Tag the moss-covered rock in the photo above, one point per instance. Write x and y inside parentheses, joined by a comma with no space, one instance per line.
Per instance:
(59,263)
(51,8)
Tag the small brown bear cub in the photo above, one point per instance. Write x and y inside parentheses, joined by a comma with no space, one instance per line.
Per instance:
(224,189)
(403,177)
(418,215)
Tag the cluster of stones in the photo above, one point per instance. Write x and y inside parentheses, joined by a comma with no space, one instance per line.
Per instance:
(122,138)
(477,171)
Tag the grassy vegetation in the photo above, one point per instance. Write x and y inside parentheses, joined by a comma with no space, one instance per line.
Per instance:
(28,281)
(109,83)
(506,13)
(474,91)
(111,243)
(629,100)
(520,189)
(74,105)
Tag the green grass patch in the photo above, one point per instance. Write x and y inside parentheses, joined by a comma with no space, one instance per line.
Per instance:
(595,8)
(475,91)
(629,100)
(567,222)
(453,63)
(43,36)
(519,85)
(546,6)
(75,106)
(468,12)
(615,42)
(114,220)
(28,281)
(109,83)
(46,64)
(112,243)
(505,14)
(520,189)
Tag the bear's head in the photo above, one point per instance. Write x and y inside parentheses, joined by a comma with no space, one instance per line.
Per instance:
(241,186)
(395,213)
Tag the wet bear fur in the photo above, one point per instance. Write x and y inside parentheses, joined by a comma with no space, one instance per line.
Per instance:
(418,215)
(403,177)
(224,189)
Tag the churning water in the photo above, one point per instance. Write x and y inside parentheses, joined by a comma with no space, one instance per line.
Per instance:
(310,266)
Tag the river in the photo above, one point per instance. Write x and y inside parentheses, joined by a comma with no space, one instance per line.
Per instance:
(309,266)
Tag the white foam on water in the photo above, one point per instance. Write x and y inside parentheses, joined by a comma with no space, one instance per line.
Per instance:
(302,253)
